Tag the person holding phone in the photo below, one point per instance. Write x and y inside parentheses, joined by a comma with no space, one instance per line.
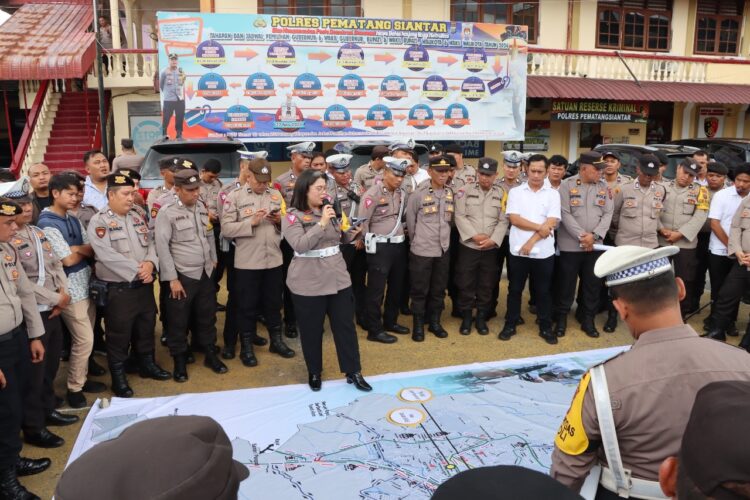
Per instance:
(318,281)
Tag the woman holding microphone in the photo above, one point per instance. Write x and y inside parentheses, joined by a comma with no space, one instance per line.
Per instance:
(318,279)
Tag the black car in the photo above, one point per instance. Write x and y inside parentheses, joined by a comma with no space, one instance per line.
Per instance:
(629,154)
(195,150)
(730,152)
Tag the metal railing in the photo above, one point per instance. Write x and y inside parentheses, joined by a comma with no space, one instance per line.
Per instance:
(32,134)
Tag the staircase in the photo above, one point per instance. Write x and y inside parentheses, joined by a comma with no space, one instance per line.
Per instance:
(72,134)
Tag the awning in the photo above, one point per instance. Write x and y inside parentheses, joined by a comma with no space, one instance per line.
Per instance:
(43,41)
(559,87)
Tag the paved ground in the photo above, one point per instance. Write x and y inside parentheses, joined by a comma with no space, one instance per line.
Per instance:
(404,355)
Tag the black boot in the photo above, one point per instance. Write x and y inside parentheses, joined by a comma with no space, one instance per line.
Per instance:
(611,324)
(562,325)
(212,361)
(717,334)
(227,352)
(290,330)
(417,330)
(247,356)
(259,341)
(278,346)
(435,326)
(465,328)
(131,364)
(149,369)
(481,322)
(507,332)
(745,342)
(119,381)
(95,369)
(180,373)
(589,328)
(10,488)
(731,330)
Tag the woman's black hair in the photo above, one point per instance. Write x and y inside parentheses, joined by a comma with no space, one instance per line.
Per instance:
(306,179)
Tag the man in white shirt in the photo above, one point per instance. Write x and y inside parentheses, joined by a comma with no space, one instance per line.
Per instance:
(534,212)
(724,204)
(97,166)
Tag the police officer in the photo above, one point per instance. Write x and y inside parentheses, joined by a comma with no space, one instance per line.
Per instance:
(126,260)
(209,195)
(346,196)
(464,174)
(612,174)
(635,221)
(482,225)
(586,209)
(301,155)
(165,171)
(619,415)
(685,212)
(365,175)
(187,260)
(47,278)
(382,209)
(167,196)
(225,246)
(429,216)
(251,216)
(20,330)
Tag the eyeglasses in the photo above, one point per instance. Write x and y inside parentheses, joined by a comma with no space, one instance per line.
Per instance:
(318,188)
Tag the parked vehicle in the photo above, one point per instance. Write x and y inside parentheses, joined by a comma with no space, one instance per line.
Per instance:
(730,152)
(629,156)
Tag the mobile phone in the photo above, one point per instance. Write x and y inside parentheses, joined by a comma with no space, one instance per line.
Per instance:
(356,222)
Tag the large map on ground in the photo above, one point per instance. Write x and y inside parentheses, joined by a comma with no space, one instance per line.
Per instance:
(402,440)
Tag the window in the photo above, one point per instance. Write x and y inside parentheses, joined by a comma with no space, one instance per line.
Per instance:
(336,8)
(492,11)
(634,25)
(717,26)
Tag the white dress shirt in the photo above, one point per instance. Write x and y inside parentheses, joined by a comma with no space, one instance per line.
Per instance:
(724,204)
(537,207)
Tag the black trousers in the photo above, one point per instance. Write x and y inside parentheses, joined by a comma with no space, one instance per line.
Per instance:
(502,256)
(130,316)
(356,265)
(718,269)
(572,267)
(453,290)
(476,276)
(728,299)
(39,399)
(429,278)
(290,318)
(519,269)
(385,267)
(196,312)
(15,362)
(340,311)
(258,291)
(178,109)
(684,268)
(231,330)
(701,267)
(220,257)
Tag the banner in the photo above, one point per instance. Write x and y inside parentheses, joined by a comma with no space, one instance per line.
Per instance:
(599,111)
(281,78)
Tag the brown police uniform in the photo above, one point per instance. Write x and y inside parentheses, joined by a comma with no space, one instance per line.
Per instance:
(635,220)
(321,286)
(365,176)
(210,194)
(478,212)
(463,177)
(85,213)
(154,195)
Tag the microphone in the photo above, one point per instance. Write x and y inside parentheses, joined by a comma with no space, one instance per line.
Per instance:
(336,206)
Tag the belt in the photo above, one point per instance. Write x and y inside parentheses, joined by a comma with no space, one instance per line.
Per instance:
(393,239)
(125,285)
(639,488)
(320,253)
(11,334)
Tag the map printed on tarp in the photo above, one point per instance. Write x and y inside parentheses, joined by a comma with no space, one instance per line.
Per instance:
(402,440)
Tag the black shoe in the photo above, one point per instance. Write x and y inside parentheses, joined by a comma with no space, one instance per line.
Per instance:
(520,321)
(435,327)
(481,323)
(163,340)
(717,334)
(247,355)
(11,489)
(227,352)
(220,307)
(259,341)
(396,328)
(589,328)
(406,310)
(466,322)
(417,331)
(94,387)
(562,325)
(279,347)
(76,399)
(732,330)
(149,369)
(611,324)
(55,418)
(120,386)
(180,373)
(745,342)
(43,439)
(382,337)
(95,369)
(212,361)
(359,381)
(290,330)
(31,466)
(314,381)
(548,336)
(507,332)
(492,313)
